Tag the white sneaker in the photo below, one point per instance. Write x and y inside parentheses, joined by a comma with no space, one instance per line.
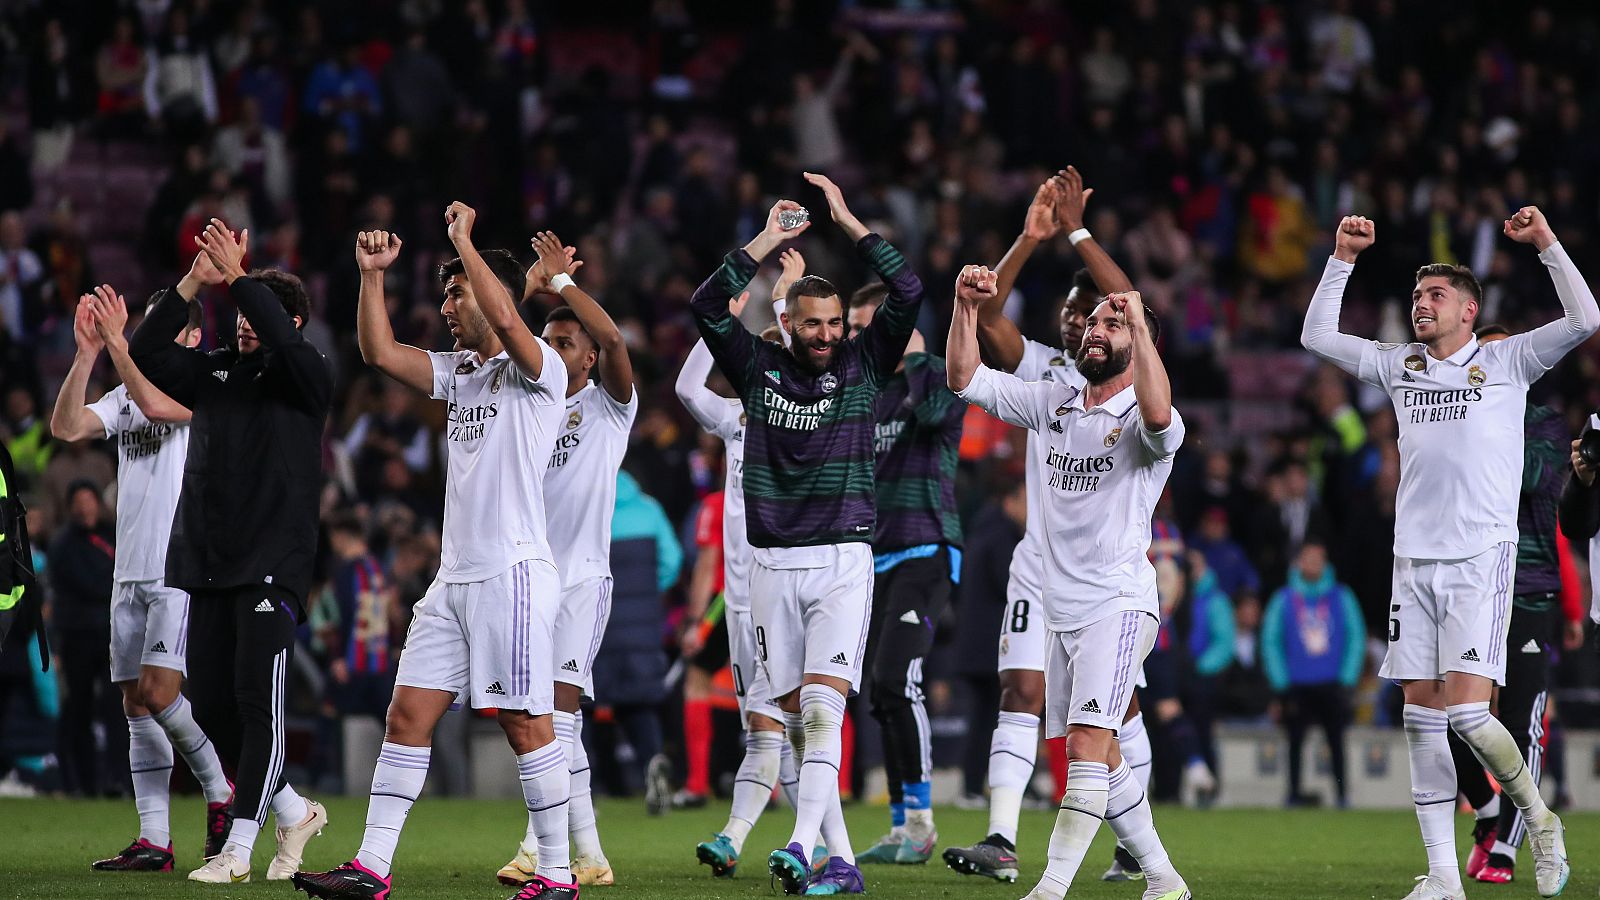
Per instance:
(1181,892)
(292,842)
(520,870)
(592,870)
(1430,888)
(1548,843)
(1199,784)
(224,868)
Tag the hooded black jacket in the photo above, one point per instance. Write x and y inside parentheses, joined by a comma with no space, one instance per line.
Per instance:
(248,510)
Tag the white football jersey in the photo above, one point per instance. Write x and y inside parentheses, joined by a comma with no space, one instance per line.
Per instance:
(1100,476)
(738,557)
(1460,442)
(150,458)
(581,481)
(1039,363)
(500,430)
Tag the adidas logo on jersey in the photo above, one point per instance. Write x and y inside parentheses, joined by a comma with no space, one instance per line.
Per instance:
(222,375)
(840,660)
(1056,427)
(570,665)
(1471,655)
(775,375)
(1532,646)
(264,606)
(160,647)
(1090,707)
(495,689)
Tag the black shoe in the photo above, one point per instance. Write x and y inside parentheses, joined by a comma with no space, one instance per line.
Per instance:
(350,881)
(993,857)
(219,821)
(140,856)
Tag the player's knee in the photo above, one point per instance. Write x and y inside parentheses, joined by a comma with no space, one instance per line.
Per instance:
(1023,697)
(133,700)
(155,692)
(1092,744)
(405,725)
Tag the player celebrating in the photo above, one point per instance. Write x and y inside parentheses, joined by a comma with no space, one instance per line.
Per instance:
(768,758)
(1058,205)
(149,621)
(917,561)
(1460,411)
(581,487)
(809,502)
(1110,434)
(484,628)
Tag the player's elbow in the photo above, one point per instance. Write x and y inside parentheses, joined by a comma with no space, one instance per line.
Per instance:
(1158,421)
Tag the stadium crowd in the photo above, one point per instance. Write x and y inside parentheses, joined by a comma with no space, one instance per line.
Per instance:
(1222,140)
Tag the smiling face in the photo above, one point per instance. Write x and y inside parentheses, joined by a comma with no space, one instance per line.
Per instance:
(577,350)
(1107,348)
(816,326)
(466,321)
(1440,311)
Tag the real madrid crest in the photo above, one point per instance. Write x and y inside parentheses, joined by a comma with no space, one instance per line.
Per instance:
(1005,644)
(1057,361)
(1111,437)
(1414,363)
(573,418)
(465,368)
(827,382)
(741,420)
(494,386)
(1476,376)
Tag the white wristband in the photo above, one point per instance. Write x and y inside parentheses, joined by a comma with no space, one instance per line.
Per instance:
(561,282)
(1081,234)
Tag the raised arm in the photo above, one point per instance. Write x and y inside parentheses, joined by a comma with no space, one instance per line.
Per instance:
(1071,198)
(493,299)
(1151,385)
(556,266)
(794,268)
(153,347)
(376,251)
(1321,334)
(72,419)
(731,344)
(706,407)
(109,312)
(1000,394)
(278,331)
(1552,341)
(1002,343)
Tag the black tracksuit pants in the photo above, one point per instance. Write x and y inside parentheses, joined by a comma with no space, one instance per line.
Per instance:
(907,602)
(240,643)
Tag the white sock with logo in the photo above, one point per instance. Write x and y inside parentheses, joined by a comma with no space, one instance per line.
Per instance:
(1083,808)
(788,769)
(397,780)
(150,762)
(546,785)
(580,804)
(1128,814)
(1433,789)
(1013,750)
(177,720)
(1494,746)
(752,786)
(822,711)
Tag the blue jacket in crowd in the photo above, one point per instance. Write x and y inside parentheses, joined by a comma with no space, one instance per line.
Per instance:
(1312,633)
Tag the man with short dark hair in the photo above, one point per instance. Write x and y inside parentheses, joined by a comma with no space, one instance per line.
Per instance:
(245,532)
(809,503)
(1459,408)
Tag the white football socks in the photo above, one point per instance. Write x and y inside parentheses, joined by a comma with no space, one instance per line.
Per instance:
(752,786)
(1134,739)
(1128,814)
(177,720)
(1083,808)
(150,762)
(788,767)
(546,785)
(1433,789)
(397,780)
(1494,746)
(1012,752)
(822,717)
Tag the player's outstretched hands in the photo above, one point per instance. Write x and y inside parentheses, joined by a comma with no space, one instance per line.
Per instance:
(458,220)
(836,206)
(227,250)
(109,311)
(376,250)
(737,304)
(90,343)
(1071,198)
(1528,226)
(975,285)
(554,259)
(1041,224)
(1355,234)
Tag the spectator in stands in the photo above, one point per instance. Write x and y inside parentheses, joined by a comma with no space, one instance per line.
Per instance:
(1313,641)
(255,153)
(27,436)
(344,95)
(20,275)
(1207,618)
(179,92)
(353,622)
(1225,560)
(58,94)
(391,432)
(81,558)
(120,69)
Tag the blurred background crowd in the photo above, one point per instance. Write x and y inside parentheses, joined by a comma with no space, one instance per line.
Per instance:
(1222,139)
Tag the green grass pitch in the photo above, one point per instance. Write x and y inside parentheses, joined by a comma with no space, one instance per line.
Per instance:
(451,849)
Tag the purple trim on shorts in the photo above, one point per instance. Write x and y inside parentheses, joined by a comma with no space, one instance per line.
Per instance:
(1502,602)
(183,628)
(519,667)
(1126,638)
(602,615)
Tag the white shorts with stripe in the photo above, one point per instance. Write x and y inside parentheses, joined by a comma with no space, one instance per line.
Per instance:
(1089,674)
(749,678)
(1450,615)
(580,626)
(1022,631)
(487,641)
(149,627)
(813,621)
